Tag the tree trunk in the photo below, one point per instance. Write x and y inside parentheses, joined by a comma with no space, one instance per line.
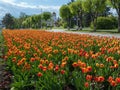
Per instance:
(119,21)
(92,20)
(80,21)
(69,23)
(77,22)
(95,22)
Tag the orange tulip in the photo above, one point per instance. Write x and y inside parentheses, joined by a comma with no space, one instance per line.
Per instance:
(84,70)
(117,80)
(56,68)
(113,83)
(44,68)
(39,74)
(89,68)
(110,79)
(62,71)
(86,84)
(89,77)
(75,64)
(101,79)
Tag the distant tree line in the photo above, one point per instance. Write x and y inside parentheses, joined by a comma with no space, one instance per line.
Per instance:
(87,12)
(26,21)
(80,13)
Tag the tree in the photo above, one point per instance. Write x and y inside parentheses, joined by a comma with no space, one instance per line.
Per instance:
(8,21)
(72,0)
(65,13)
(87,19)
(46,18)
(95,7)
(22,17)
(18,21)
(76,9)
(116,5)
(46,15)
(32,22)
(106,12)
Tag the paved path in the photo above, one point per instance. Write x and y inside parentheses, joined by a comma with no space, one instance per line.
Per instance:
(90,33)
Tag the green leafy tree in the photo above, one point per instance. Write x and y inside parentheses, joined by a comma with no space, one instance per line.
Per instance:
(106,12)
(8,21)
(18,21)
(22,17)
(87,19)
(116,5)
(72,0)
(76,10)
(32,22)
(66,14)
(95,7)
(46,15)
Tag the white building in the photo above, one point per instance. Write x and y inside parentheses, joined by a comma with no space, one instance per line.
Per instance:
(54,18)
(52,22)
(1,25)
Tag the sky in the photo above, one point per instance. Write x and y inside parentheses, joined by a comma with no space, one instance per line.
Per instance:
(30,7)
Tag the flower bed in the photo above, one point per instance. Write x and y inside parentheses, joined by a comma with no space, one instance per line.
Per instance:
(41,60)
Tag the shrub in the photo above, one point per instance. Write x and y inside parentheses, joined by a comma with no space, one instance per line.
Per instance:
(65,25)
(106,23)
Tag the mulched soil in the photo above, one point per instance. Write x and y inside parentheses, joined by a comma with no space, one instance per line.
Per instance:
(5,76)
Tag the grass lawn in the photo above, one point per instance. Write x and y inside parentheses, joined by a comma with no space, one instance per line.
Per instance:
(111,31)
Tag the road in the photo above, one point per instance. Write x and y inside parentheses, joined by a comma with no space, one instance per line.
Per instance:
(90,33)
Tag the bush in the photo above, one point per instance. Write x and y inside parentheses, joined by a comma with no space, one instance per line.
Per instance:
(65,25)
(106,23)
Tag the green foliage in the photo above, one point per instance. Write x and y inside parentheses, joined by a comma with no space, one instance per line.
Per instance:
(106,23)
(32,22)
(46,15)
(65,12)
(87,19)
(65,25)
(95,7)
(116,4)
(75,7)
(8,21)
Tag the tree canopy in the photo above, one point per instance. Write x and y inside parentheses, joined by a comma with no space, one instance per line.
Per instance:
(116,5)
(46,15)
(8,21)
(95,7)
(65,11)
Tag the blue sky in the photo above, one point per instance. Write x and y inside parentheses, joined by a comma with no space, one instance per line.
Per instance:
(30,6)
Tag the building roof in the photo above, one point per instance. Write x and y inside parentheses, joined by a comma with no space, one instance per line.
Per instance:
(54,13)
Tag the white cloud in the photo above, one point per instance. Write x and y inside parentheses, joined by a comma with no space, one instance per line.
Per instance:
(13,7)
(26,5)
(2,11)
(8,1)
